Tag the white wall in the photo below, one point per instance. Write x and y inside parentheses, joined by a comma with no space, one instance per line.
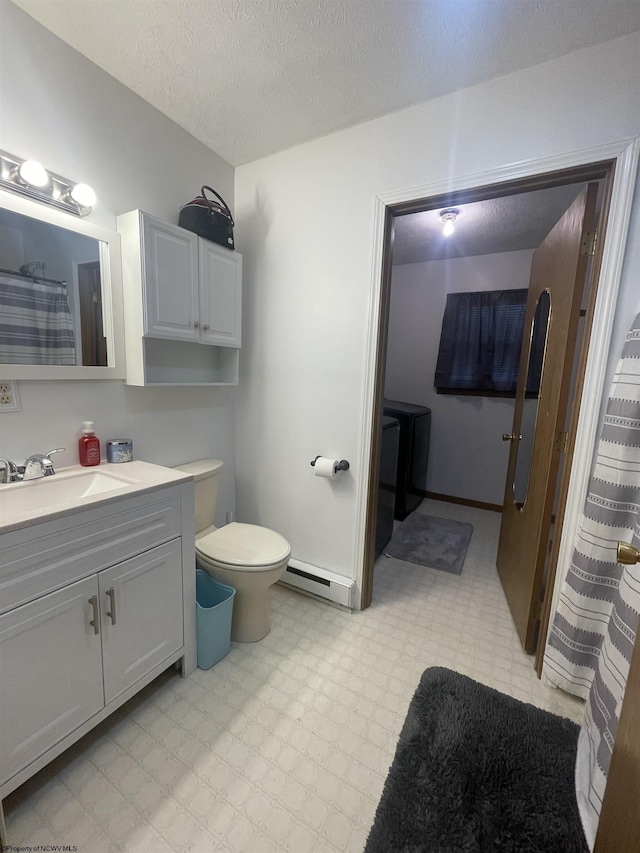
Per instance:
(59,108)
(467,457)
(305,220)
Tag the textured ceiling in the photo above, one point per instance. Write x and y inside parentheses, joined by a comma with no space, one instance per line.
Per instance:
(483,227)
(251,77)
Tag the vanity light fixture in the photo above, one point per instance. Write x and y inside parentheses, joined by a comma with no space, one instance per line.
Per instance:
(83,195)
(448,217)
(31,179)
(33,173)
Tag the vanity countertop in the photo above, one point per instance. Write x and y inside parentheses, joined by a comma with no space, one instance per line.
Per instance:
(75,488)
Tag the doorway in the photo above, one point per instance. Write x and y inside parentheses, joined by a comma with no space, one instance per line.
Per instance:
(520,191)
(94,343)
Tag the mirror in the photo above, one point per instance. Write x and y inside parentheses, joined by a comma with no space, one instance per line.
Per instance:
(529,417)
(60,295)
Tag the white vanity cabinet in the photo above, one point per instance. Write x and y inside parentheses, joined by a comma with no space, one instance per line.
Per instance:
(140,615)
(93,606)
(50,673)
(183,305)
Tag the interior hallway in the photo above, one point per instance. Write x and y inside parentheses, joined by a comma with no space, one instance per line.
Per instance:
(285,744)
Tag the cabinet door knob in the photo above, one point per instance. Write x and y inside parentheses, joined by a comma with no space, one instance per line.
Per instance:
(111,595)
(196,325)
(206,327)
(93,601)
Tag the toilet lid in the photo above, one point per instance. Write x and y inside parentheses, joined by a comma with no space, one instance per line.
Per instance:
(247,545)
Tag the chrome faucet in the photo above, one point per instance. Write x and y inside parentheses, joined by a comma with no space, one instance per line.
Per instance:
(9,471)
(35,466)
(39,465)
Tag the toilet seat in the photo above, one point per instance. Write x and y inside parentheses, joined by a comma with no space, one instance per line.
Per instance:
(243,547)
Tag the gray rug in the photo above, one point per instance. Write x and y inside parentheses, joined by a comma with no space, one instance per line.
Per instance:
(439,543)
(476,770)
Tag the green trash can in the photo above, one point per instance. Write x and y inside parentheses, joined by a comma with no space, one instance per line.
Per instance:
(214,608)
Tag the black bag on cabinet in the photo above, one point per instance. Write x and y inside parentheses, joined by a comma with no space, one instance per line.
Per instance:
(208,219)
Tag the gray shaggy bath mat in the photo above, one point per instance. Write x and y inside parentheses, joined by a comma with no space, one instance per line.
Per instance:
(476,770)
(439,543)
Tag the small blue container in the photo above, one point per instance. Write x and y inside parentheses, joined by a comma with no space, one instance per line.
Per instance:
(214,609)
(119,450)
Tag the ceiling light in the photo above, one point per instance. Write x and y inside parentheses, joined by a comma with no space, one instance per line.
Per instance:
(30,178)
(448,217)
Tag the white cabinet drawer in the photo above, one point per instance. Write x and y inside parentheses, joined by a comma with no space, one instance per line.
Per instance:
(38,559)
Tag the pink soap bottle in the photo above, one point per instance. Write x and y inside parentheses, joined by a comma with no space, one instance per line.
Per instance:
(88,446)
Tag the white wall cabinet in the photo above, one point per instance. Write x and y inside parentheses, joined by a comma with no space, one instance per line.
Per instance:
(220,294)
(183,305)
(93,606)
(169,280)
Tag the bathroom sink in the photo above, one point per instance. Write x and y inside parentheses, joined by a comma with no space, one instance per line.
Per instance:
(58,490)
(75,489)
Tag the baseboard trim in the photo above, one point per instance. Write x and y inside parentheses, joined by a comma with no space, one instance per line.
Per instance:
(464,501)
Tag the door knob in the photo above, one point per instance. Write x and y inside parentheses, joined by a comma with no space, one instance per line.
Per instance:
(511,436)
(627,554)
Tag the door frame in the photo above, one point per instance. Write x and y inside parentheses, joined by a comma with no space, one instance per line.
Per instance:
(517,177)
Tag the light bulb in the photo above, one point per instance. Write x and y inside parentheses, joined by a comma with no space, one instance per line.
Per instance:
(33,173)
(83,195)
(448,217)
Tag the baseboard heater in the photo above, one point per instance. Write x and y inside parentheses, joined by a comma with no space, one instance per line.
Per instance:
(320,582)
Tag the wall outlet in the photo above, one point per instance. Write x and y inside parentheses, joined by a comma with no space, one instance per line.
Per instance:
(9,399)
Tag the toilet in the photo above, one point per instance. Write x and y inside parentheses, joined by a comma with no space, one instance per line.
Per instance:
(247,557)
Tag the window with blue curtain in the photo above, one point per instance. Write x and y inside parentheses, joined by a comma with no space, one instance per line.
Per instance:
(480,344)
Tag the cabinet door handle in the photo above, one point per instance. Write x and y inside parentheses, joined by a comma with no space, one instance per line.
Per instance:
(206,327)
(111,593)
(196,325)
(93,601)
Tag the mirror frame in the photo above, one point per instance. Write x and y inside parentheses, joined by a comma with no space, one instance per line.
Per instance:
(112,302)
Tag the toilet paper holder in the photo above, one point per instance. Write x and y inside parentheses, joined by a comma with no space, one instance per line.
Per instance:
(342,465)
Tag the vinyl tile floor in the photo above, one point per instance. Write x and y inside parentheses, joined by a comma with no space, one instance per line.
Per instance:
(285,744)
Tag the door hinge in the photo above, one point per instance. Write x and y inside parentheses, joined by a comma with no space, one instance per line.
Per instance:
(589,241)
(561,442)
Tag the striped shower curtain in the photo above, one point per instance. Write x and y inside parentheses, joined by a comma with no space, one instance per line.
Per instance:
(36,326)
(594,629)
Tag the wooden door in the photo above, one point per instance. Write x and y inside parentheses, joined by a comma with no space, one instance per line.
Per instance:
(558,268)
(619,826)
(94,343)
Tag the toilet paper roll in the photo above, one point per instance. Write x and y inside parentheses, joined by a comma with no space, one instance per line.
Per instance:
(326,468)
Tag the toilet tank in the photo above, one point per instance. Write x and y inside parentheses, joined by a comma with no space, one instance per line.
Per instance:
(206,474)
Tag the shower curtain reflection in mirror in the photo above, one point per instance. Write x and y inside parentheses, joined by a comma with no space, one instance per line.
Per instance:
(36,326)
(51,310)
